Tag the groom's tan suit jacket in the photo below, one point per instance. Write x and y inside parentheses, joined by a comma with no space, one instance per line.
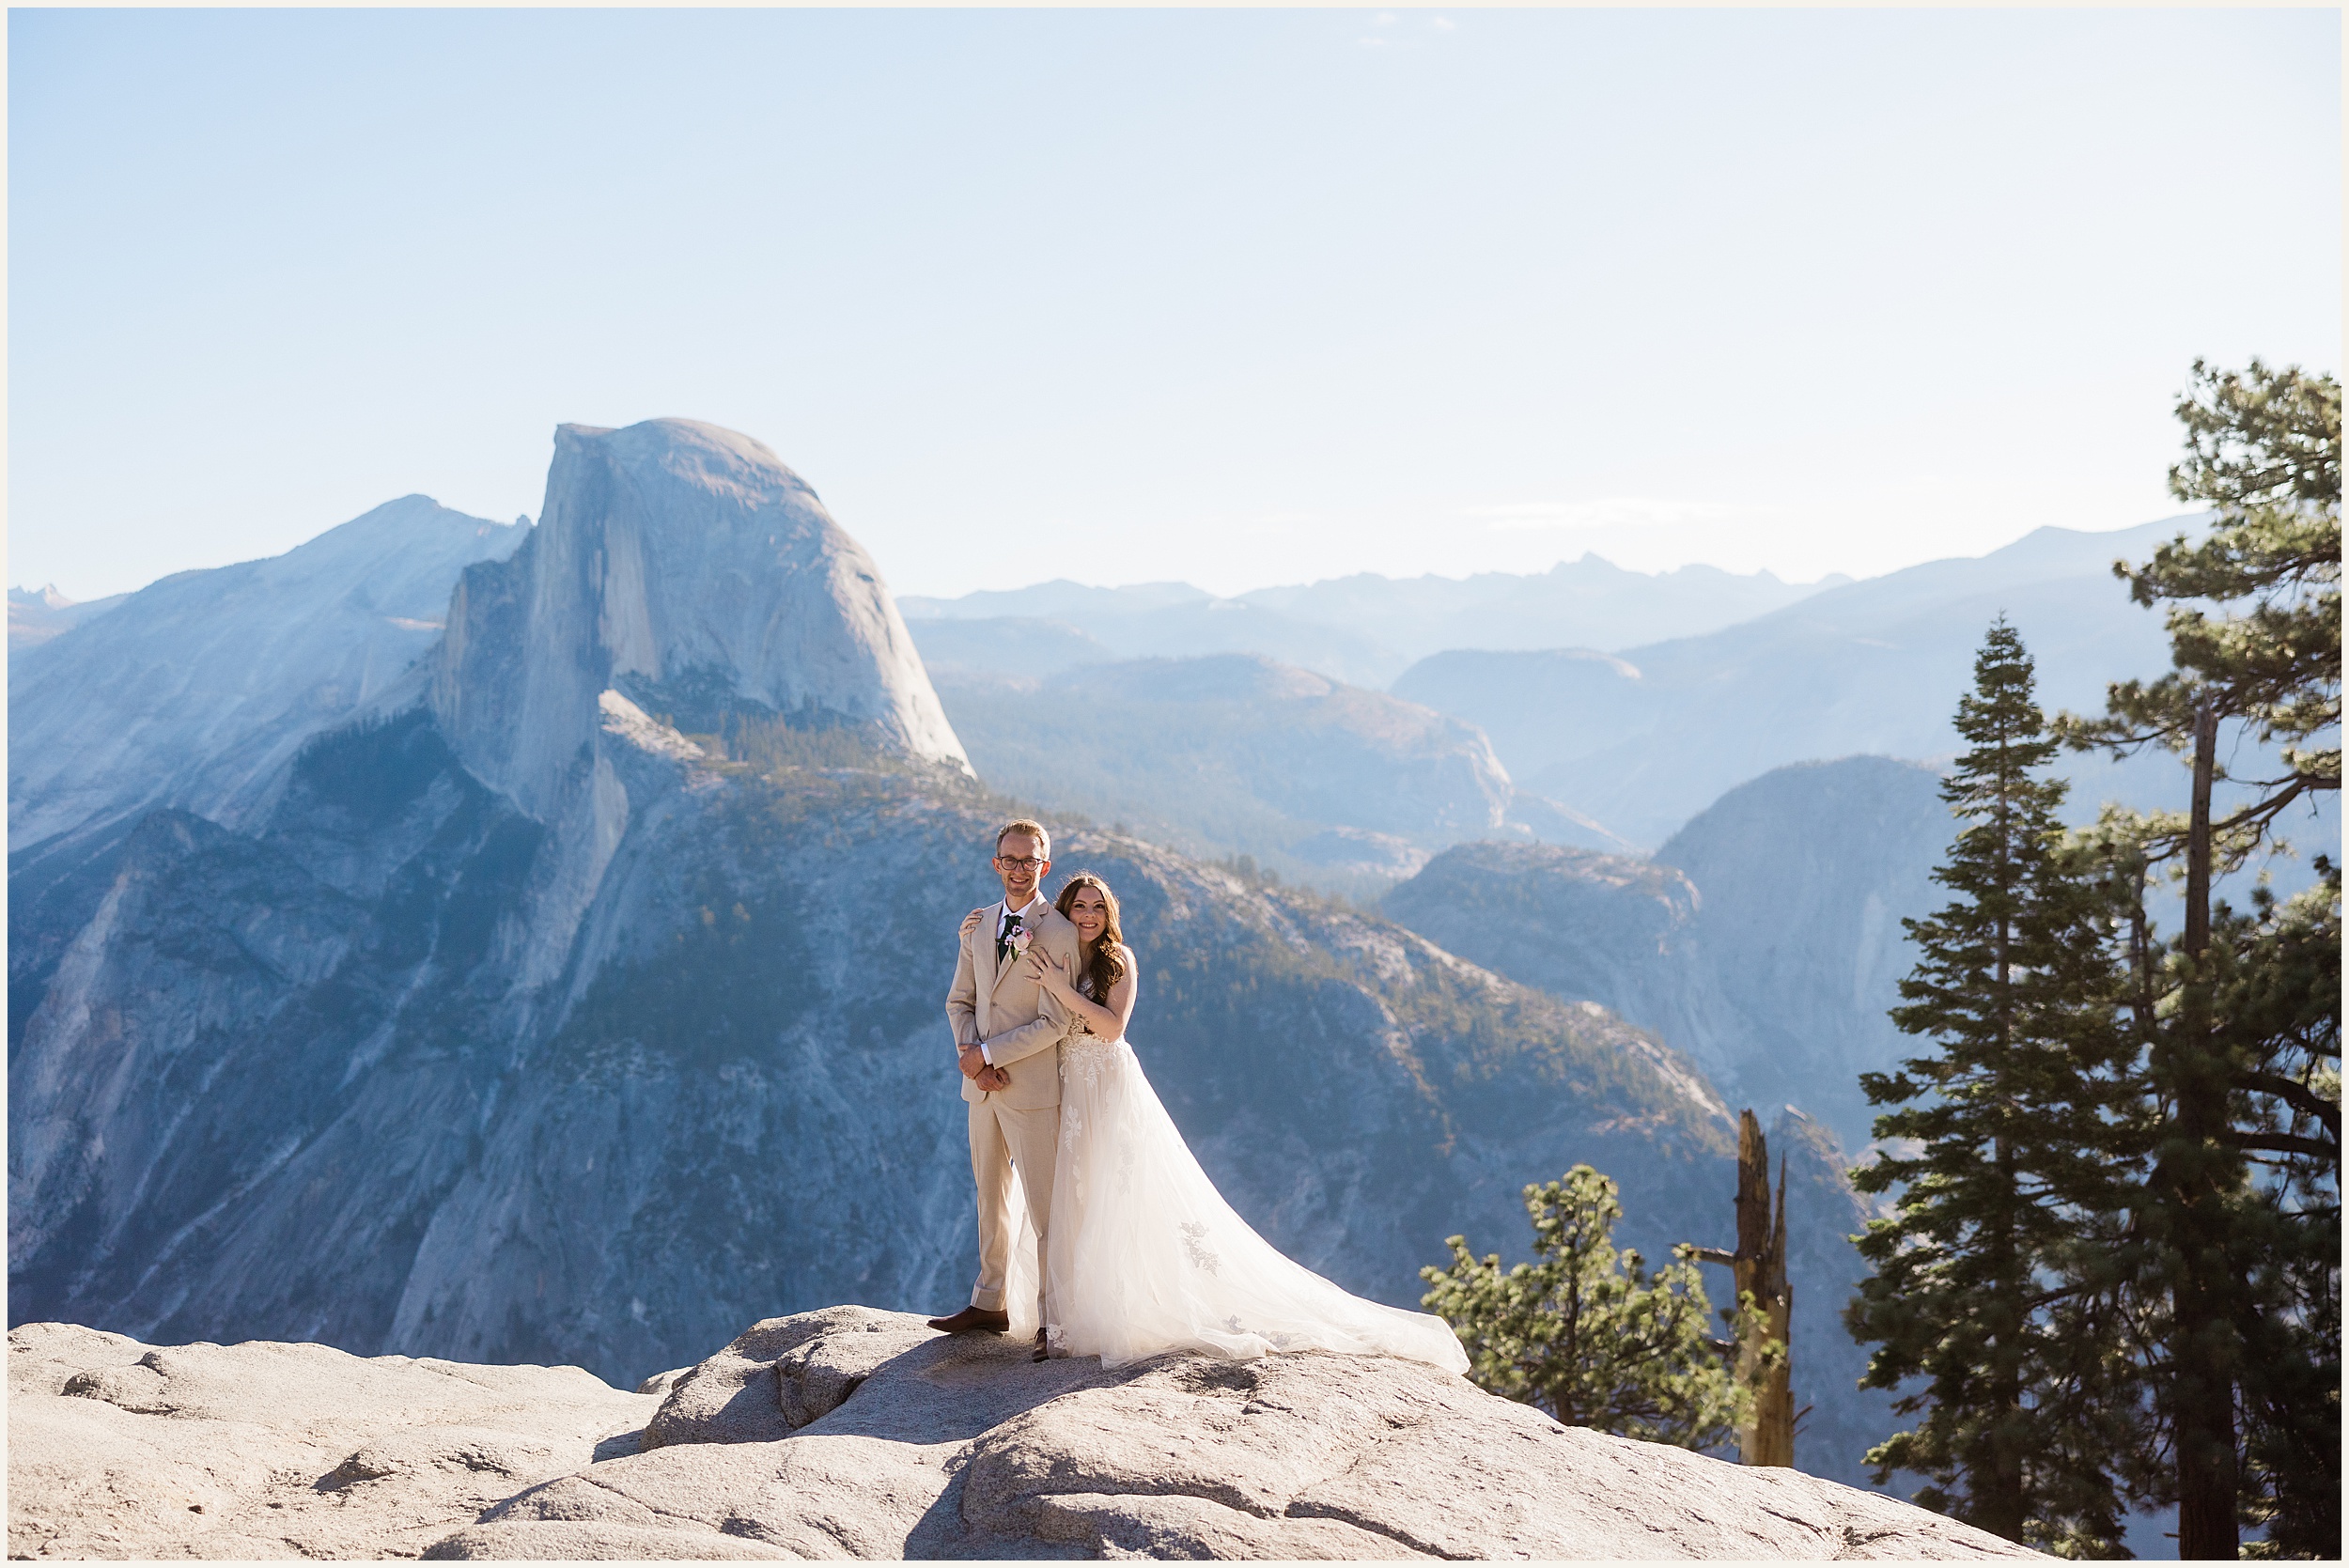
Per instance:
(1022,1025)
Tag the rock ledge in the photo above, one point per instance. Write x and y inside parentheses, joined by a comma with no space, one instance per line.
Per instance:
(857,1433)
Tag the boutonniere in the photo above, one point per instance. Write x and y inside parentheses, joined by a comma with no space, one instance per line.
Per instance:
(1020,939)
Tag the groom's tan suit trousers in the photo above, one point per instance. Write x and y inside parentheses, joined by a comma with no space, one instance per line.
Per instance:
(1019,1125)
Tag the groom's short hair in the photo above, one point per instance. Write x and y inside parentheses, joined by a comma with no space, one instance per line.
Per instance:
(1033,830)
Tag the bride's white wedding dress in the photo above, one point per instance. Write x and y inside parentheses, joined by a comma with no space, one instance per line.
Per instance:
(1144,1256)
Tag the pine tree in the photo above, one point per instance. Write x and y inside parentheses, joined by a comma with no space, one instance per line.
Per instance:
(1583,1332)
(2279,991)
(2243,1104)
(1983,1286)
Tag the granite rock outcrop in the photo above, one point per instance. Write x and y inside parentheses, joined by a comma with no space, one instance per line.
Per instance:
(685,567)
(854,1433)
(262,1450)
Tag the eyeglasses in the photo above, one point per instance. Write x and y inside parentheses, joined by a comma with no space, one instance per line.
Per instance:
(1024,863)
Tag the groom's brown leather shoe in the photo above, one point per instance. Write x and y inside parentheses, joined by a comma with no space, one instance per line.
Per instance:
(973,1320)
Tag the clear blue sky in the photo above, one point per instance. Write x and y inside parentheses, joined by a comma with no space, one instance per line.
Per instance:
(1241,297)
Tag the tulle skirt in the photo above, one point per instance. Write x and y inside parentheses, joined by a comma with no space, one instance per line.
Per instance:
(1143,1254)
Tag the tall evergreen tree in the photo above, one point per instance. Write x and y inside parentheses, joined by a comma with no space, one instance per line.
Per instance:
(1981,1284)
(2241,1064)
(2278,989)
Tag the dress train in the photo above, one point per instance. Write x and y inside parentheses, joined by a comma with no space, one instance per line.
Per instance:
(1144,1255)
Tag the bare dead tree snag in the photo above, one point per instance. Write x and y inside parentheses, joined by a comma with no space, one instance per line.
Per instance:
(1764,1364)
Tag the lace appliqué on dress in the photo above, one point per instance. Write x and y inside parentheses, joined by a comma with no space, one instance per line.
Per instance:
(1196,1246)
(1083,1061)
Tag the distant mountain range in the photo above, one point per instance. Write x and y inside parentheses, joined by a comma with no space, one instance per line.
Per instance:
(36,615)
(1633,700)
(1364,629)
(1643,738)
(1234,754)
(211,679)
(1070,625)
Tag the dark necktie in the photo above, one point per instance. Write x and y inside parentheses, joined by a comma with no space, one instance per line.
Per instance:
(1003,940)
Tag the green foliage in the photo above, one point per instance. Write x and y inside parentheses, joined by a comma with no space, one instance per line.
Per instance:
(1248,871)
(1980,1283)
(728,961)
(1585,1332)
(2276,984)
(2226,1253)
(771,744)
(2253,609)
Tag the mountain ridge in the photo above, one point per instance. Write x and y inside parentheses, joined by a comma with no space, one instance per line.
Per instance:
(1644,739)
(196,690)
(38,614)
(1363,629)
(1226,754)
(1763,940)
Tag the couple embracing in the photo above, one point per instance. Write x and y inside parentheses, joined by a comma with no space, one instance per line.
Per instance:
(1099,1233)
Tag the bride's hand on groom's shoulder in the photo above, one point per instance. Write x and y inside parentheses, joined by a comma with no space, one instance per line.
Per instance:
(1047,971)
(971,922)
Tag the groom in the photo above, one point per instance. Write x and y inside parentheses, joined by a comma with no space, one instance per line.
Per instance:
(1007,1034)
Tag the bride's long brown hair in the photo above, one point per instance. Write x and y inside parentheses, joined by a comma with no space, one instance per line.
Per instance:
(1104,969)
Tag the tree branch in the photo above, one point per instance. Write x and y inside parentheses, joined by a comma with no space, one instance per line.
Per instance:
(2296,1094)
(2286,1143)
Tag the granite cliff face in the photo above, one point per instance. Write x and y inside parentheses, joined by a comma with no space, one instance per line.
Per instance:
(250,1059)
(1808,872)
(688,568)
(1763,938)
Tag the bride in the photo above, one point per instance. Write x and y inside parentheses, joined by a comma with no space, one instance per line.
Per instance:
(1141,1253)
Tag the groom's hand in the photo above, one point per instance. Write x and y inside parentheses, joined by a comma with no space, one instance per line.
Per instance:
(974,1067)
